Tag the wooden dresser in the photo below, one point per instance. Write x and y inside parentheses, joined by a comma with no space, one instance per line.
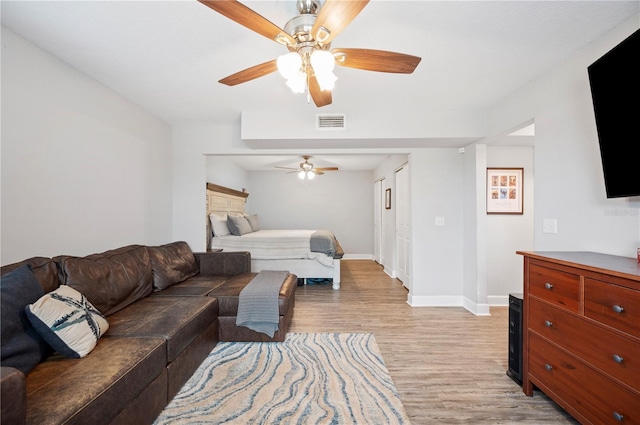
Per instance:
(581,342)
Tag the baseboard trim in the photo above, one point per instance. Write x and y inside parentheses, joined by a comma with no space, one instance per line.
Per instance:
(389,272)
(434,301)
(476,308)
(449,301)
(357,257)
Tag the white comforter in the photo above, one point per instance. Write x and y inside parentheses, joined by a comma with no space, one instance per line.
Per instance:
(272,245)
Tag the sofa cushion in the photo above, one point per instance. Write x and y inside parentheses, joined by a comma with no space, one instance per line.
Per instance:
(13,387)
(179,320)
(194,286)
(45,269)
(223,263)
(111,280)
(67,321)
(171,263)
(21,346)
(96,388)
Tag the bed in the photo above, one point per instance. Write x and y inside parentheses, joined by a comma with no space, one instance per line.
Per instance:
(308,253)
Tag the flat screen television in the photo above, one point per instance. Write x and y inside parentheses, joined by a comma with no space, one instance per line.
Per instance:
(615,91)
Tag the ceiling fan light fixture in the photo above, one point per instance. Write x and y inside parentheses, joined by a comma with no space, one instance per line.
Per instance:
(298,82)
(302,175)
(310,175)
(289,64)
(323,63)
(326,80)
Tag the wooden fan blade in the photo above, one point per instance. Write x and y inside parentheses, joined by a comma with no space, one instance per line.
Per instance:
(326,169)
(316,172)
(376,60)
(320,98)
(250,73)
(247,17)
(334,16)
(287,168)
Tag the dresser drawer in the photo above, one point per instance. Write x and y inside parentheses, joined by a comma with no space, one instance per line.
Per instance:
(555,286)
(612,353)
(612,305)
(598,399)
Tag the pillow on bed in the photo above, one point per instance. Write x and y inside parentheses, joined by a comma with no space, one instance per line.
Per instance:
(253,222)
(238,225)
(219,225)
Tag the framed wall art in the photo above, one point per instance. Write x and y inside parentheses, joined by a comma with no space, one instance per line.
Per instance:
(504,190)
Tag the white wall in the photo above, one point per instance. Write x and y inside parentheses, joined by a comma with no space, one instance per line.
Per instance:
(340,201)
(83,169)
(474,285)
(569,184)
(437,251)
(226,173)
(191,144)
(509,233)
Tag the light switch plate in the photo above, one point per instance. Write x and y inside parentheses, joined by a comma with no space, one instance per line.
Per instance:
(439,221)
(549,225)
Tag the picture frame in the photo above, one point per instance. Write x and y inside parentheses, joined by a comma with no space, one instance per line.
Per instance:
(505,191)
(387,199)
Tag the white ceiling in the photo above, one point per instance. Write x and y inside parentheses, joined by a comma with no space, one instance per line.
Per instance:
(167,56)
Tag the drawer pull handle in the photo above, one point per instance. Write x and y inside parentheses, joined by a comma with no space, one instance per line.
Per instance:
(548,285)
(617,358)
(548,323)
(618,417)
(618,308)
(548,366)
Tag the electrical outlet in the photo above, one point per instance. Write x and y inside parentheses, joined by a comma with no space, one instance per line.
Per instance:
(439,221)
(549,225)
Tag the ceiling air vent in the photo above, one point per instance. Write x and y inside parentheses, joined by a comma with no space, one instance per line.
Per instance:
(331,122)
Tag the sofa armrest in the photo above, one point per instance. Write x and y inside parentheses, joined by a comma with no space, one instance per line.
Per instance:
(223,263)
(13,393)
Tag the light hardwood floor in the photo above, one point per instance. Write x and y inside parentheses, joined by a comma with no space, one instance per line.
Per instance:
(448,365)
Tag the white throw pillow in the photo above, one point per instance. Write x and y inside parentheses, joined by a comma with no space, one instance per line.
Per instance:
(67,321)
(219,225)
(253,222)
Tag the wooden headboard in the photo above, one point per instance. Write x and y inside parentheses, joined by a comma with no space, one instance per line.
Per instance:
(223,201)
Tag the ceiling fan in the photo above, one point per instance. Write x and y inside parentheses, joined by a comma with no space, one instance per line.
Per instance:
(308,67)
(307,170)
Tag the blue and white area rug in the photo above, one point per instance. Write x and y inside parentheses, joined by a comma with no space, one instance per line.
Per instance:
(314,378)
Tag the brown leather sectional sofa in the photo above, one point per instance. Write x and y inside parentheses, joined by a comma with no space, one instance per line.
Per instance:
(166,312)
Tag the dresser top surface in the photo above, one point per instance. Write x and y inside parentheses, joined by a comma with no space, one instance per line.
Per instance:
(626,267)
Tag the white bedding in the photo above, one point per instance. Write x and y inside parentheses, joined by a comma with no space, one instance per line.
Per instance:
(272,245)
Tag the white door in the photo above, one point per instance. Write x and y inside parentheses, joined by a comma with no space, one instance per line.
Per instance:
(403,231)
(377,221)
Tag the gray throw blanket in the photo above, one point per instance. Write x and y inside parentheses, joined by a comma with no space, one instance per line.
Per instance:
(258,302)
(323,241)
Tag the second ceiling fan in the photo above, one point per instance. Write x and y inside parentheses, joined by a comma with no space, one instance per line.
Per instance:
(308,67)
(307,170)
